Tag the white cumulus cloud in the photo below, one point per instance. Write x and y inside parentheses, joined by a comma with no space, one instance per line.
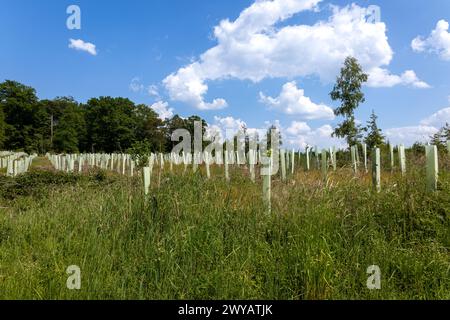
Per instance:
(83,46)
(297,128)
(438,119)
(163,110)
(409,135)
(422,132)
(300,135)
(438,41)
(293,101)
(380,77)
(225,127)
(254,47)
(188,86)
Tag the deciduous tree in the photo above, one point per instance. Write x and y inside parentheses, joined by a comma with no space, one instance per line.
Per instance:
(348,91)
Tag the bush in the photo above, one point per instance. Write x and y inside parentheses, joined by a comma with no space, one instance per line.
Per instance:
(37,183)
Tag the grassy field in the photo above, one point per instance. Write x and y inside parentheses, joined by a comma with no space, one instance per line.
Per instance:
(195,238)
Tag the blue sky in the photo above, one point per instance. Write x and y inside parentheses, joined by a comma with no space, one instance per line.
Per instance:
(279,72)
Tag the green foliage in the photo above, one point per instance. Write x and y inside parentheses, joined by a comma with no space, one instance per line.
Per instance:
(188,123)
(208,239)
(441,137)
(374,138)
(150,128)
(38,183)
(70,132)
(348,90)
(61,125)
(19,106)
(418,149)
(110,124)
(34,183)
(140,152)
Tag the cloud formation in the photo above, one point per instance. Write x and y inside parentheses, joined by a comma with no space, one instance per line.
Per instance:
(136,85)
(254,47)
(300,135)
(83,46)
(438,41)
(383,78)
(225,127)
(410,135)
(293,101)
(422,132)
(163,110)
(438,119)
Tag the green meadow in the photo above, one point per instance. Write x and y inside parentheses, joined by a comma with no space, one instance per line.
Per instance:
(199,238)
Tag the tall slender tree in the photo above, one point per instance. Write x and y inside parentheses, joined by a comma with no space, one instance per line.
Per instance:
(348,91)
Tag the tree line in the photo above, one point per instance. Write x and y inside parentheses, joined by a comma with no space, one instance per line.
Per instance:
(103,124)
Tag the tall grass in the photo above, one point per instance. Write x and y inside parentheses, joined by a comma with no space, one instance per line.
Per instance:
(195,238)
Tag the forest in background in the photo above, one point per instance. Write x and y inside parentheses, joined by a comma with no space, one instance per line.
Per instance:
(103,124)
